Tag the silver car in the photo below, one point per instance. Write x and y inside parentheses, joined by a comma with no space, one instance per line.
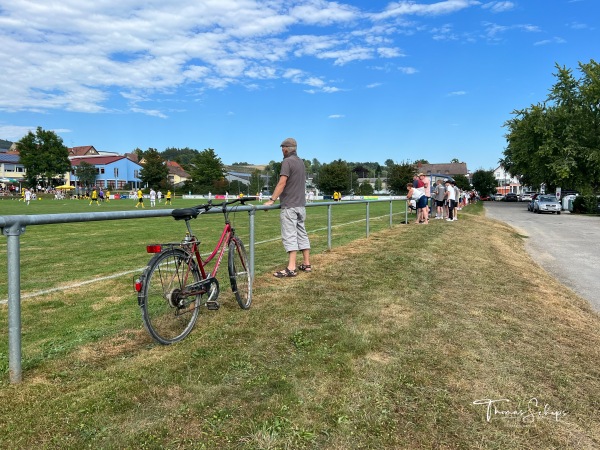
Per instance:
(546,203)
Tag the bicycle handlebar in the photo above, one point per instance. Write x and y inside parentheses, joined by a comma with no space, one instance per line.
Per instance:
(224,204)
(194,211)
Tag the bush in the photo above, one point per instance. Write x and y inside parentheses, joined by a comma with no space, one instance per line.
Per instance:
(586,204)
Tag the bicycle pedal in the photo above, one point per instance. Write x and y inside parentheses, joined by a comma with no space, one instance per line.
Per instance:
(212,306)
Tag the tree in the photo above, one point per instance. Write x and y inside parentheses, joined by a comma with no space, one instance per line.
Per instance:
(365,188)
(484,182)
(86,174)
(335,176)
(557,142)
(399,175)
(462,182)
(183,156)
(43,155)
(154,172)
(207,172)
(378,184)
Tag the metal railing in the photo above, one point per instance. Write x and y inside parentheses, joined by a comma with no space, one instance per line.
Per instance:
(15,225)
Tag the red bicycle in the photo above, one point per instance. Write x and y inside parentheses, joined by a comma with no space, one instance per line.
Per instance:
(175,284)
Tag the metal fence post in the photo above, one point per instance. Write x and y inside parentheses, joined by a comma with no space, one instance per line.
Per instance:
(329,227)
(406,213)
(368,204)
(13,254)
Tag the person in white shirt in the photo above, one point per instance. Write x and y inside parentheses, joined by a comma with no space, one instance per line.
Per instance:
(152,197)
(451,199)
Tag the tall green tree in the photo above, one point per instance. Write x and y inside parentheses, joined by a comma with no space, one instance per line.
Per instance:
(154,172)
(86,174)
(335,176)
(207,172)
(484,182)
(557,142)
(399,175)
(462,182)
(43,155)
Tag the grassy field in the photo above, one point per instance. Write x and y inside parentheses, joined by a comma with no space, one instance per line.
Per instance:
(438,336)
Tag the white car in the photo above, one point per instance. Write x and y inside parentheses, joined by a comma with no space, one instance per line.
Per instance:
(526,197)
(499,197)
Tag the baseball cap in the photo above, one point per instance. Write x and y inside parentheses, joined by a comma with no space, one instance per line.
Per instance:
(289,142)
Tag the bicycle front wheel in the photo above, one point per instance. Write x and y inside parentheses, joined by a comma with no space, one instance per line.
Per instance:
(239,273)
(169,313)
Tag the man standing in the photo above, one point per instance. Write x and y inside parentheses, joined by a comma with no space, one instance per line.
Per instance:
(450,198)
(290,190)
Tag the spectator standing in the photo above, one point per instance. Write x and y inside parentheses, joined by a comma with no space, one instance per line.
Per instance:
(290,190)
(450,199)
(417,194)
(439,194)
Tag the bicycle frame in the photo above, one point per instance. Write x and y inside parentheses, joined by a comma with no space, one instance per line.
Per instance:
(219,249)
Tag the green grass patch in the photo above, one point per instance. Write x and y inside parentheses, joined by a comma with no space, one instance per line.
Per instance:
(386,344)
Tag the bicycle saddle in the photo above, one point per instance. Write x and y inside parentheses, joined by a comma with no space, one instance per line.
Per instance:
(185,213)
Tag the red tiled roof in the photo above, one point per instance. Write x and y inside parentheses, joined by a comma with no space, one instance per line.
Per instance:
(95,160)
(84,150)
(176,169)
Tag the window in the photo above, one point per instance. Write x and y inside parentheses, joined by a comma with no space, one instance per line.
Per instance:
(116,171)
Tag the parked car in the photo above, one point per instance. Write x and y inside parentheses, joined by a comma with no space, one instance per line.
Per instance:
(546,203)
(498,197)
(485,198)
(511,197)
(526,196)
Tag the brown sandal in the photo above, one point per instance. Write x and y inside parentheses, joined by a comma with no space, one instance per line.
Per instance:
(305,267)
(286,273)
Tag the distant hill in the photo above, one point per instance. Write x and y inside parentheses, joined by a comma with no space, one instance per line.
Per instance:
(245,168)
(5,145)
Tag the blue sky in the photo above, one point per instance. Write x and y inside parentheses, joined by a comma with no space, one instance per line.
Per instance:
(358,80)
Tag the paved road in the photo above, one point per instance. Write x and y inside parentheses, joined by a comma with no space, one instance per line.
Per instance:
(566,245)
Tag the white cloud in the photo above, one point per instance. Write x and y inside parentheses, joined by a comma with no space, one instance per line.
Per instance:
(15,133)
(408,70)
(336,116)
(412,8)
(554,40)
(498,7)
(456,93)
(81,56)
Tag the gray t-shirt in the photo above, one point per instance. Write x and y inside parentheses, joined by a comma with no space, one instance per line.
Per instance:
(440,192)
(293,194)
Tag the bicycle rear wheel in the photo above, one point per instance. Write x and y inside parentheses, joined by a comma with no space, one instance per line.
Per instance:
(239,273)
(169,313)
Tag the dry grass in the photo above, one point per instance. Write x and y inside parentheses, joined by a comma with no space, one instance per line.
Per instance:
(386,344)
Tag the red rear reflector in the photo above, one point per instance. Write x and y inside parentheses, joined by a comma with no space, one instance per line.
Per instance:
(138,285)
(153,248)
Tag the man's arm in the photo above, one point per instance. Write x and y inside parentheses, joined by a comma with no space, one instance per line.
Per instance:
(278,190)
